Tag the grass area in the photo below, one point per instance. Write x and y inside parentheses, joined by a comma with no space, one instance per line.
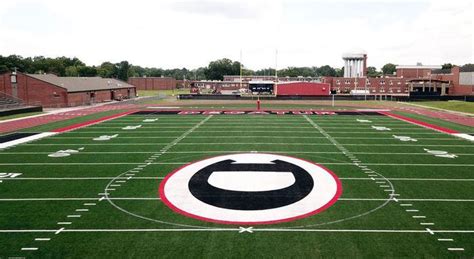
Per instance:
(458,106)
(162,92)
(439,122)
(132,221)
(2,118)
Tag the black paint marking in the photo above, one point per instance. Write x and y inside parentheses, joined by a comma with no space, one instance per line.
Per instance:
(203,191)
(15,136)
(269,112)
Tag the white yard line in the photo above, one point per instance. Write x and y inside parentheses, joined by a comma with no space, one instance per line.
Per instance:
(456,249)
(183,163)
(42,239)
(234,151)
(233,229)
(157,198)
(29,248)
(248,143)
(161,177)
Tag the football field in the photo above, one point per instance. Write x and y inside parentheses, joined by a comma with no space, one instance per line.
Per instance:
(400,190)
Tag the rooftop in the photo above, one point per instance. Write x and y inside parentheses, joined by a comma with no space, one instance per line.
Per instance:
(81,84)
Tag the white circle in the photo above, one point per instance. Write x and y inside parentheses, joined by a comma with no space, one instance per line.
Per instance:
(175,193)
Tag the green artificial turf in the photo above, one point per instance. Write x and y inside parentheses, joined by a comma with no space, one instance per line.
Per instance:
(359,224)
(439,122)
(458,106)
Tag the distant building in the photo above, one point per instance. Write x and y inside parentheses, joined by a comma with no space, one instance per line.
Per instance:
(417,71)
(50,90)
(153,83)
(417,80)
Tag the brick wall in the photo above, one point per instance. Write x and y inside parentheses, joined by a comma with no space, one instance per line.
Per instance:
(413,72)
(35,92)
(153,83)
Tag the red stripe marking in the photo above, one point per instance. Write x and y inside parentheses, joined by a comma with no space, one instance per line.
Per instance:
(420,123)
(88,123)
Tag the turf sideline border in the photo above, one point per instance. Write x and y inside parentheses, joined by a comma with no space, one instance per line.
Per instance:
(61,130)
(429,126)
(91,122)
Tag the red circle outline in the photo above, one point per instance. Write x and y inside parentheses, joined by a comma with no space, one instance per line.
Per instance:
(165,200)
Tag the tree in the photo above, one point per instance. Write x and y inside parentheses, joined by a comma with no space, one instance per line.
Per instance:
(216,70)
(107,70)
(87,71)
(372,72)
(198,74)
(447,66)
(71,71)
(3,69)
(122,72)
(389,69)
(467,68)
(268,72)
(326,70)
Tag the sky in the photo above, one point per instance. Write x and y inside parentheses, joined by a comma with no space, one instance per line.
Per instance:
(260,33)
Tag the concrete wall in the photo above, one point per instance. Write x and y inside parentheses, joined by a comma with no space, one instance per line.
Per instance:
(466,78)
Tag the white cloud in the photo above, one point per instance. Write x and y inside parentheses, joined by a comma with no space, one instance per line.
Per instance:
(191,33)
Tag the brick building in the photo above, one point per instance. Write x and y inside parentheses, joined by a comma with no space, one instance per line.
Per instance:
(50,90)
(153,83)
(409,80)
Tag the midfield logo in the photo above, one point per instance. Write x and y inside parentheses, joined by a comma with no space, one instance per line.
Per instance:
(250,188)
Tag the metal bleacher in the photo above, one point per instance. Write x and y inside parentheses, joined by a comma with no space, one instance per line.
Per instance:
(10,105)
(8,101)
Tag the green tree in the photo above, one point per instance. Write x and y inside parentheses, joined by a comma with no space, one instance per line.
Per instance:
(372,72)
(326,71)
(71,71)
(389,69)
(122,72)
(340,72)
(447,66)
(87,71)
(3,69)
(107,70)
(216,70)
(467,68)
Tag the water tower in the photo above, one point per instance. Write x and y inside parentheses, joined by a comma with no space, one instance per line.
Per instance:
(355,63)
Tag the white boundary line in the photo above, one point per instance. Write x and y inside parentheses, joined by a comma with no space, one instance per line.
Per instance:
(233,151)
(161,177)
(233,229)
(156,198)
(184,163)
(26,139)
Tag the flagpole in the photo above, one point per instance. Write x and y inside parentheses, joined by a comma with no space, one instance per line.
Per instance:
(240,68)
(276,71)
